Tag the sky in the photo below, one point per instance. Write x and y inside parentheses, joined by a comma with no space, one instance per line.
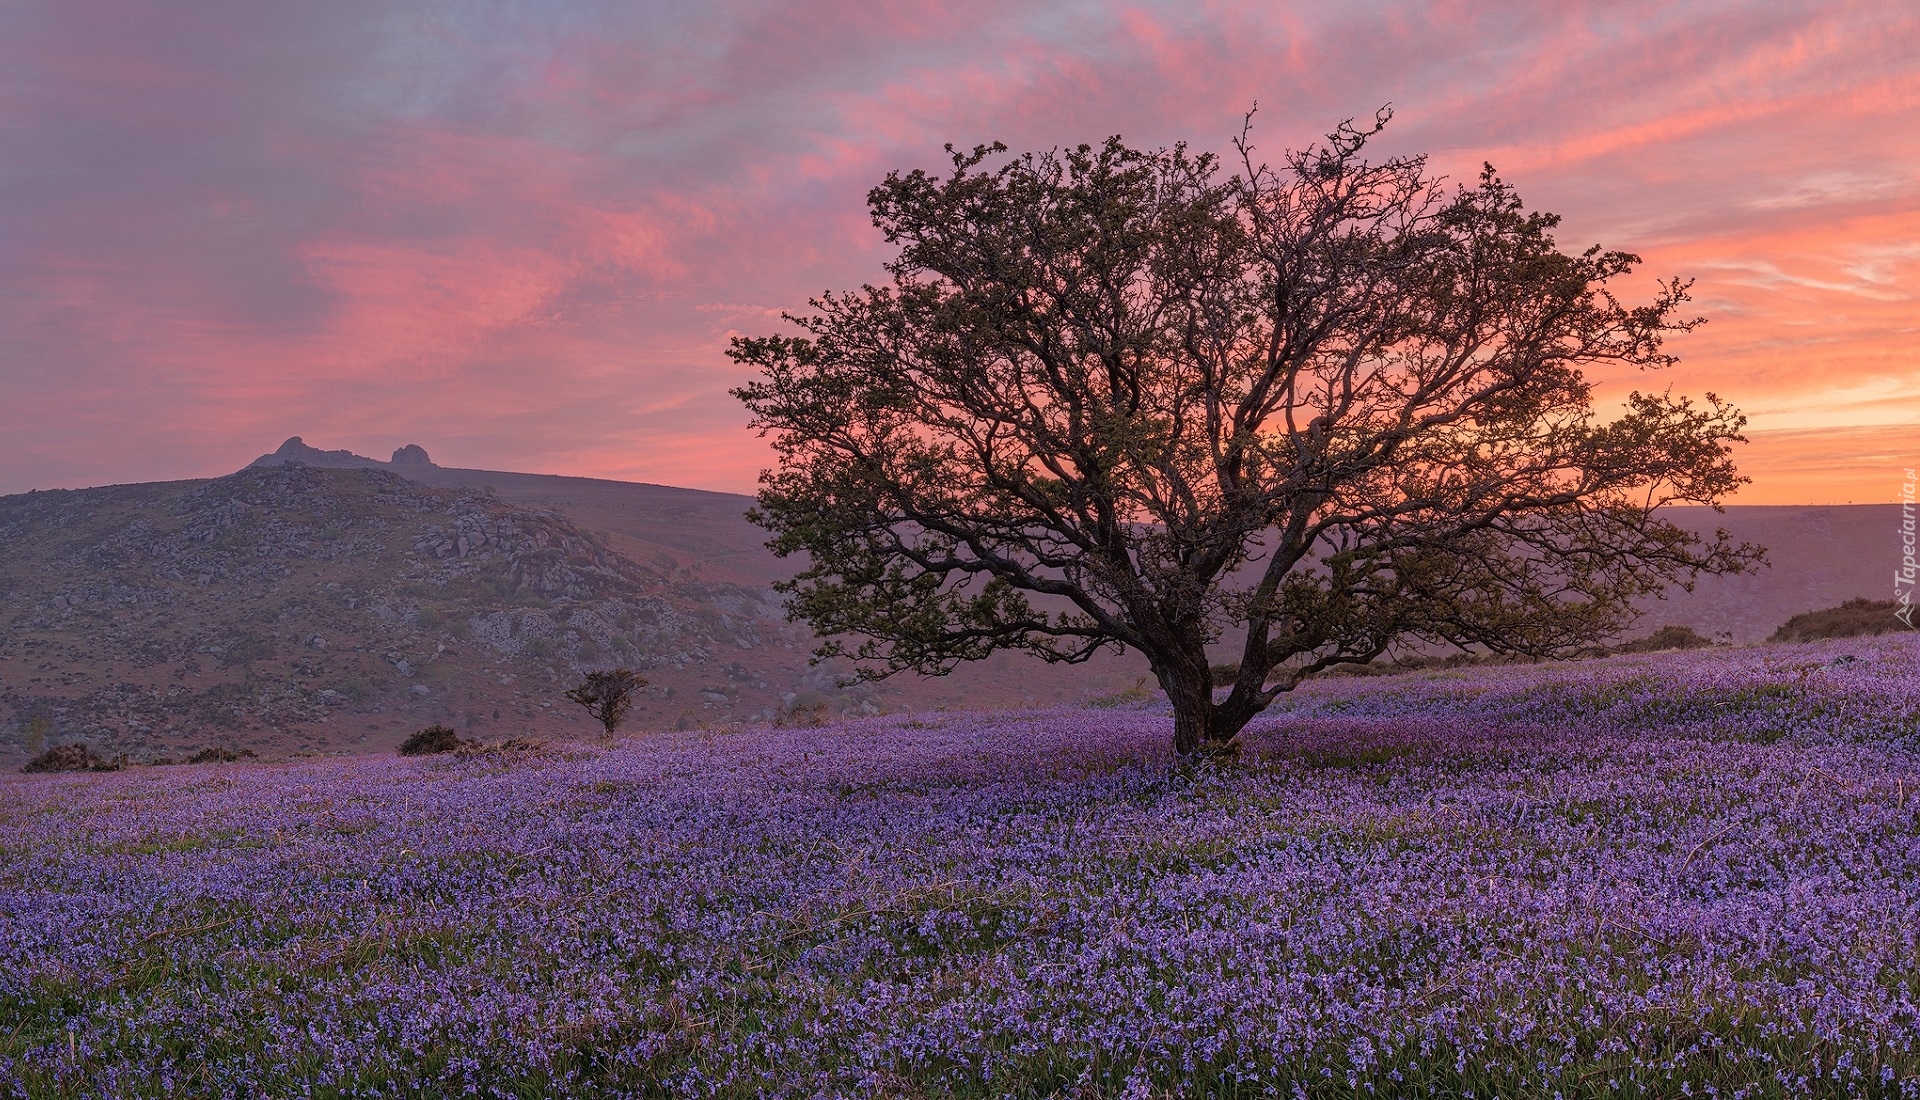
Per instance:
(520,234)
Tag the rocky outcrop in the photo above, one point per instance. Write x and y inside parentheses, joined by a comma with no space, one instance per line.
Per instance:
(296,451)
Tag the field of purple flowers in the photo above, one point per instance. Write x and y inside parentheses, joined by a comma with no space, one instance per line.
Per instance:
(1678,874)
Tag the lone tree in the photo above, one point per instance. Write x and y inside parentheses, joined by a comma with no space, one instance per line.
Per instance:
(608,695)
(1122,398)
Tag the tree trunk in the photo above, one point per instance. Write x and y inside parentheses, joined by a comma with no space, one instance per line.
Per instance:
(1189,729)
(1195,719)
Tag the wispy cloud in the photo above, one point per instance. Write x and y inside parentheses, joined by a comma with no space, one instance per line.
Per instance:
(520,235)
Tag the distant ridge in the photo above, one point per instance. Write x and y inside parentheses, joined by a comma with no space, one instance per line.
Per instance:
(323,601)
(704,532)
(1819,555)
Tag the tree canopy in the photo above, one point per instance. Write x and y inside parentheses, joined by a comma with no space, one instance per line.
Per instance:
(1116,397)
(608,694)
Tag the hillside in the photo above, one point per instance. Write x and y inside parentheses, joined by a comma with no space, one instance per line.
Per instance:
(292,608)
(321,601)
(690,533)
(1819,556)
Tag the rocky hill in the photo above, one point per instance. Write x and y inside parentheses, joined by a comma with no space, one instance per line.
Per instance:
(303,608)
(293,608)
(1820,555)
(322,601)
(689,533)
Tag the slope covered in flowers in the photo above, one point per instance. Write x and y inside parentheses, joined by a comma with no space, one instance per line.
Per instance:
(1651,876)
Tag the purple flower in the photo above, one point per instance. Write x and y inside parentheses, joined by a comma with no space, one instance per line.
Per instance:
(1693,874)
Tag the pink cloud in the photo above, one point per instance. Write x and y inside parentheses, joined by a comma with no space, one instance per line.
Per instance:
(521,238)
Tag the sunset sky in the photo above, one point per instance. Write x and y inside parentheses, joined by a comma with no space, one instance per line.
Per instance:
(520,234)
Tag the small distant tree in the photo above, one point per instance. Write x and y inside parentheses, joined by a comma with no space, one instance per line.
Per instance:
(608,695)
(1115,398)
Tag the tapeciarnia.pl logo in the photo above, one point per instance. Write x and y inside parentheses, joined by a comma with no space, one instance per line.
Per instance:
(1903,577)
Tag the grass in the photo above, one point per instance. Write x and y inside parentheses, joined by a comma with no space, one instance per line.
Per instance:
(1511,881)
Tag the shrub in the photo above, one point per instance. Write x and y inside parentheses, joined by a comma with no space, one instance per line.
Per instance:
(1138,692)
(220,754)
(1667,637)
(508,751)
(434,739)
(1850,620)
(797,715)
(70,758)
(243,648)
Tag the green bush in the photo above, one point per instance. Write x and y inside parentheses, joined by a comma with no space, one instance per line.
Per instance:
(1665,638)
(220,754)
(70,758)
(796,715)
(434,739)
(1852,619)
